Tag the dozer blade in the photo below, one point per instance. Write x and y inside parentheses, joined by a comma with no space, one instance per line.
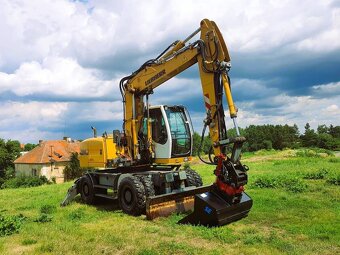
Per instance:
(164,205)
(71,193)
(211,209)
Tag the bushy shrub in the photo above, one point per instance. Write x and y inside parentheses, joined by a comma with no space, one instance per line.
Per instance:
(266,182)
(25,182)
(318,175)
(76,215)
(334,179)
(29,241)
(48,209)
(43,218)
(2,180)
(334,160)
(186,165)
(314,153)
(307,153)
(294,184)
(9,173)
(10,224)
(291,184)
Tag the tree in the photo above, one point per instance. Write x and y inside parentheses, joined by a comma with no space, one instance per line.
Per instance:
(326,141)
(309,138)
(73,169)
(9,151)
(196,143)
(322,129)
(29,146)
(206,145)
(334,131)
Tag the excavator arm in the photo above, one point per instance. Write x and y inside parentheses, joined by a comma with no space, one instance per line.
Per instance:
(211,54)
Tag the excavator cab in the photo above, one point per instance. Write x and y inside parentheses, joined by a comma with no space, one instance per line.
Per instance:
(172,133)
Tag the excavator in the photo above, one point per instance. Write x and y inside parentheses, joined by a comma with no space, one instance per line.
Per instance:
(141,166)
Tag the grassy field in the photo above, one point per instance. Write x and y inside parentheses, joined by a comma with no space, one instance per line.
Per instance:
(296,211)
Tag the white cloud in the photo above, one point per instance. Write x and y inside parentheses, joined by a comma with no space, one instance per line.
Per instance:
(47,48)
(59,77)
(32,121)
(31,135)
(30,112)
(95,111)
(293,110)
(92,32)
(330,89)
(178,90)
(36,29)
(327,39)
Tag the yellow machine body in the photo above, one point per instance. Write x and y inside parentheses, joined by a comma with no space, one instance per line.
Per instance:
(97,152)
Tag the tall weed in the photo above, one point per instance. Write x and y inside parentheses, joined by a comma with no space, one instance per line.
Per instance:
(318,175)
(293,184)
(10,224)
(334,179)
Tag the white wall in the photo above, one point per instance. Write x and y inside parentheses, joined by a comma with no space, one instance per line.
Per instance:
(42,169)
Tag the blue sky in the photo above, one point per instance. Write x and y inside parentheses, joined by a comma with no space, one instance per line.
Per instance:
(61,61)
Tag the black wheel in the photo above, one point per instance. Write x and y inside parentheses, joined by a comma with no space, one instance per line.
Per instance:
(87,190)
(148,185)
(193,178)
(131,196)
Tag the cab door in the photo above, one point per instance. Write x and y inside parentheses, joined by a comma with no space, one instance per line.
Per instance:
(161,136)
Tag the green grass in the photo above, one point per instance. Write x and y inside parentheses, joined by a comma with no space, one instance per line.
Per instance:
(282,221)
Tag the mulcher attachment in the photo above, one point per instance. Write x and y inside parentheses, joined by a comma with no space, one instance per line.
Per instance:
(225,202)
(213,209)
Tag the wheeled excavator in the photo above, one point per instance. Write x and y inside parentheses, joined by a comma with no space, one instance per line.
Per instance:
(140,166)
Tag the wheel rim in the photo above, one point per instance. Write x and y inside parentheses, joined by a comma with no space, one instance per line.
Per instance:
(128,197)
(86,190)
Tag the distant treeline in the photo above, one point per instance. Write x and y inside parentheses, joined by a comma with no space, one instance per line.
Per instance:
(279,137)
(258,137)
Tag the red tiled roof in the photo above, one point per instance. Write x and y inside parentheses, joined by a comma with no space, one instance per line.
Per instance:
(61,152)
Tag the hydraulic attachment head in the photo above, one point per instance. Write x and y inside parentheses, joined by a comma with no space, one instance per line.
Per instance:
(213,209)
(226,202)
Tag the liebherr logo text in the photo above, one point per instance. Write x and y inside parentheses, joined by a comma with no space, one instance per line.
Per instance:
(153,78)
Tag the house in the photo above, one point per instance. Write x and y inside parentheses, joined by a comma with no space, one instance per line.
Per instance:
(49,158)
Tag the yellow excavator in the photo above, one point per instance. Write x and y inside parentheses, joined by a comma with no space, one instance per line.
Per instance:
(140,166)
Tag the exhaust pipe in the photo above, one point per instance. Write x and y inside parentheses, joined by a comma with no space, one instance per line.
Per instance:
(94,132)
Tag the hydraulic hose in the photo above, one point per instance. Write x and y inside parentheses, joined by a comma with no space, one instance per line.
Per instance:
(200,148)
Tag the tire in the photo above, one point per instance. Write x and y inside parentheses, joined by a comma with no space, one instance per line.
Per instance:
(87,190)
(131,196)
(193,178)
(148,185)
